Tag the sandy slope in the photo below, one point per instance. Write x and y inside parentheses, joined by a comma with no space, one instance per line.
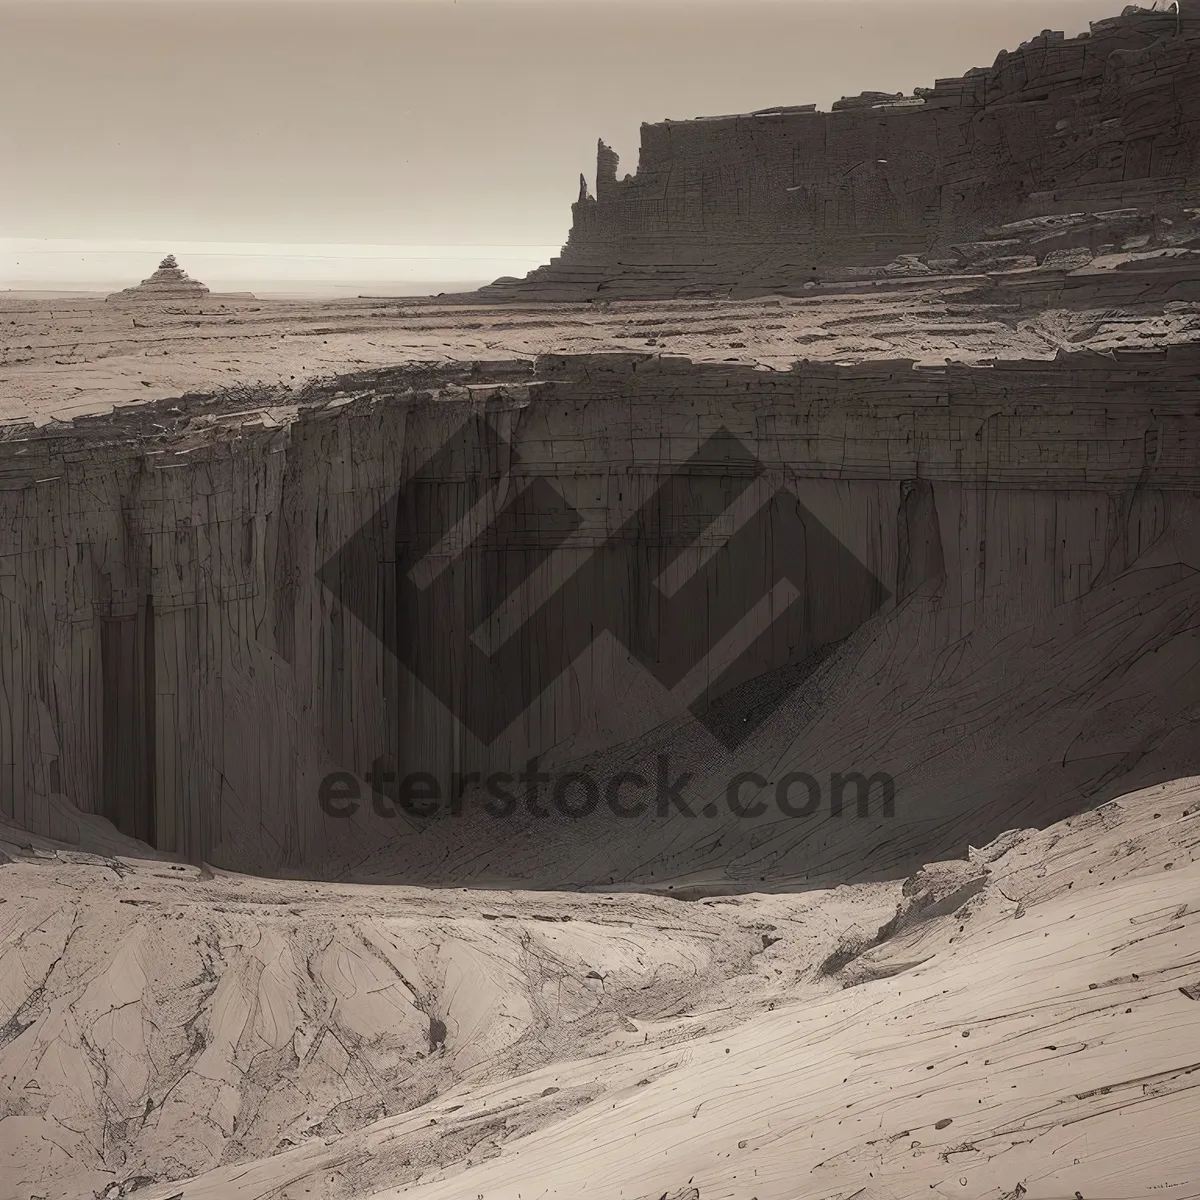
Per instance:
(1019,1019)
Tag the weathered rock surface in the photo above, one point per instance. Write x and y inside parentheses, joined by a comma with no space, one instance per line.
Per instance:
(69,358)
(174,662)
(1087,145)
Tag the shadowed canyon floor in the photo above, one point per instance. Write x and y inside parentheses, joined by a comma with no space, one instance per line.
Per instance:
(1024,1022)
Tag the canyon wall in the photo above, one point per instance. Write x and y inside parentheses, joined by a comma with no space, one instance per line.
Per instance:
(1065,145)
(979,581)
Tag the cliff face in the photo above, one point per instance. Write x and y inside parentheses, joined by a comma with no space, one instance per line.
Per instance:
(811,620)
(214,607)
(1064,146)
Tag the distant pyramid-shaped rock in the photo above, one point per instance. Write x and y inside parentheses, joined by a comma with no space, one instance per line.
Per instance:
(169,284)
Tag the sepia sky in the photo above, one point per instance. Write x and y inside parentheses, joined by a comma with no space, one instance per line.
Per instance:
(413,123)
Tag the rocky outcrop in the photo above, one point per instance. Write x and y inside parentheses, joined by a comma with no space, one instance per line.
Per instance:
(169,284)
(981,582)
(1063,150)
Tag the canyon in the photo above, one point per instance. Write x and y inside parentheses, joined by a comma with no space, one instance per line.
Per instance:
(715,718)
(1009,537)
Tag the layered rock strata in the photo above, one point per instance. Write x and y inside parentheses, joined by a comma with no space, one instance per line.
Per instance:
(1018,641)
(1064,149)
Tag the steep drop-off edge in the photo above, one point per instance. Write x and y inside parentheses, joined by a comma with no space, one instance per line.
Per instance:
(174,664)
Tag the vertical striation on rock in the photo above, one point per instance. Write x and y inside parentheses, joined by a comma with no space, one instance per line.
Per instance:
(178,658)
(853,556)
